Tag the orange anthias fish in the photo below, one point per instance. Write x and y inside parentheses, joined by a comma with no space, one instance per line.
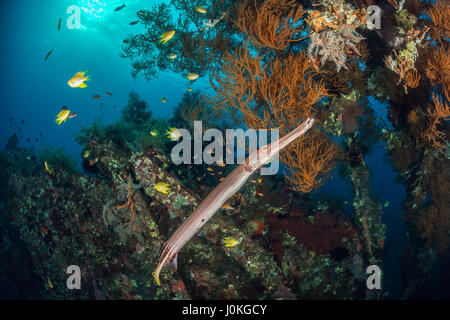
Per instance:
(96,97)
(227,206)
(77,81)
(108,94)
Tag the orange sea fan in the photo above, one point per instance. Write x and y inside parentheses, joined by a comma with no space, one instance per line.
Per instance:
(309,158)
(278,94)
(438,111)
(412,78)
(271,23)
(440,18)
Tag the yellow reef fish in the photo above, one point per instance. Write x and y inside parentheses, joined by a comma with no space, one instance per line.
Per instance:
(47,168)
(172,56)
(192,76)
(189,89)
(163,100)
(50,284)
(162,187)
(229,242)
(78,80)
(167,36)
(63,115)
(201,10)
(174,134)
(154,133)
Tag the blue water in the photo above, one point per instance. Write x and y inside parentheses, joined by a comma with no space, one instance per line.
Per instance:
(34,90)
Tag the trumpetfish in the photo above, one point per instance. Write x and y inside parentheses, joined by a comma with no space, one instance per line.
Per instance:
(217,197)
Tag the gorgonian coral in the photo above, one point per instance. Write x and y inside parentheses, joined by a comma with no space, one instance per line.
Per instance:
(273,24)
(335,32)
(437,113)
(278,94)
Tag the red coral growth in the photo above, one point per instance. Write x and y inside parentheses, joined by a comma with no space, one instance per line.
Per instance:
(323,233)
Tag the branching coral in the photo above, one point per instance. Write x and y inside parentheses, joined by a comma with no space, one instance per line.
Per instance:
(438,69)
(412,79)
(197,49)
(198,110)
(132,212)
(271,23)
(335,35)
(278,95)
(308,159)
(394,3)
(137,110)
(353,77)
(439,14)
(438,111)
(334,46)
(405,69)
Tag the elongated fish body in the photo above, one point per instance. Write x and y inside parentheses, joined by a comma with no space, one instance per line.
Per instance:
(120,8)
(225,190)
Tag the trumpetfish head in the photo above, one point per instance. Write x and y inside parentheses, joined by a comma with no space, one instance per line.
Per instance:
(266,153)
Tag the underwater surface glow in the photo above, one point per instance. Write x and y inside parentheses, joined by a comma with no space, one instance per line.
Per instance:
(94,8)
